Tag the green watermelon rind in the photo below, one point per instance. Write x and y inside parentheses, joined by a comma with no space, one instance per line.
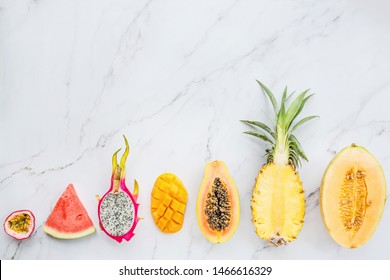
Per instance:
(68,235)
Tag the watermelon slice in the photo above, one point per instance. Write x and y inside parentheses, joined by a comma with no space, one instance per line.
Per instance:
(69,219)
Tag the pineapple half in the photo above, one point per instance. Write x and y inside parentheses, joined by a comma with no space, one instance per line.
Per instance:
(278,200)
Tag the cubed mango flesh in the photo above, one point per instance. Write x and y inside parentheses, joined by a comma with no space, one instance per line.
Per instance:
(168,203)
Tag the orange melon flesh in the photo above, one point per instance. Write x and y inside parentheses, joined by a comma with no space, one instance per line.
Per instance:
(353,196)
(218,169)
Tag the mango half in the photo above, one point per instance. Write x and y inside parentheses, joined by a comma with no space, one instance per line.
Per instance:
(168,203)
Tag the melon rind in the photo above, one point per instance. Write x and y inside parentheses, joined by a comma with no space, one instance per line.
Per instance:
(64,235)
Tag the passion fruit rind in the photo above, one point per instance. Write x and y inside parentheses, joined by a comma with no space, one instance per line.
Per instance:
(20,224)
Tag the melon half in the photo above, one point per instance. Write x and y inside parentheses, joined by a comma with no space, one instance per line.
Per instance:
(353,196)
(69,218)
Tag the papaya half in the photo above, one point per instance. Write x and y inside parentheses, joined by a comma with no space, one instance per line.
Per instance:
(218,203)
(352,196)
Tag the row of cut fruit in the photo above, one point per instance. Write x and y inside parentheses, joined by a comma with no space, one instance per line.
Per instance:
(352,195)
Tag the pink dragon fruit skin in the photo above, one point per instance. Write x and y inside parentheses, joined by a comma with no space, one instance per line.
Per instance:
(119,219)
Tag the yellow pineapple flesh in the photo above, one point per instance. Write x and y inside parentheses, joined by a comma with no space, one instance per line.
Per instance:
(278,204)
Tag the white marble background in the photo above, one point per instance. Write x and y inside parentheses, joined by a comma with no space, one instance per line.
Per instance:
(175,77)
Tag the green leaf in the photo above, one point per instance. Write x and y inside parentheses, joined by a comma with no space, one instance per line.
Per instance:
(304,102)
(293,153)
(294,141)
(302,121)
(296,108)
(293,110)
(295,156)
(260,125)
(289,96)
(294,160)
(283,105)
(259,135)
(270,96)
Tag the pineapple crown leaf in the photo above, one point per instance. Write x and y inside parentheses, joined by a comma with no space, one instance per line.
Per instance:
(289,96)
(285,146)
(303,104)
(285,116)
(296,146)
(270,96)
(294,109)
(282,105)
(260,135)
(262,126)
(302,121)
(293,159)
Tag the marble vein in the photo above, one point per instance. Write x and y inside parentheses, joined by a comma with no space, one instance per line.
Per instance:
(17,249)
(257,252)
(350,123)
(312,199)
(116,57)
(191,241)
(208,32)
(31,171)
(175,99)
(210,135)
(154,250)
(28,159)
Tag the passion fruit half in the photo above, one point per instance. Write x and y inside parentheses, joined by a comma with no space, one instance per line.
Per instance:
(20,224)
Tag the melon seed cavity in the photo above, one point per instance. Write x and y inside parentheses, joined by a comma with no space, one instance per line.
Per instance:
(353,200)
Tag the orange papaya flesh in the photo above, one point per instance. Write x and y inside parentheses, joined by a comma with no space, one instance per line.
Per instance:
(218,203)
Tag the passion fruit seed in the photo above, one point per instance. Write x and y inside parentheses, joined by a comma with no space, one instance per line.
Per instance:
(218,206)
(20,223)
(117,213)
(353,200)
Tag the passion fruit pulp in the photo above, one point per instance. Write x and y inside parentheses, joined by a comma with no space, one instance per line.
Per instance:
(20,224)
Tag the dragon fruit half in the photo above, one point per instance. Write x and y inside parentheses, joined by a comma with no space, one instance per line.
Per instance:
(118,208)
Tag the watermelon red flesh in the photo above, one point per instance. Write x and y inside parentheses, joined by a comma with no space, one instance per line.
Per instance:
(69,218)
